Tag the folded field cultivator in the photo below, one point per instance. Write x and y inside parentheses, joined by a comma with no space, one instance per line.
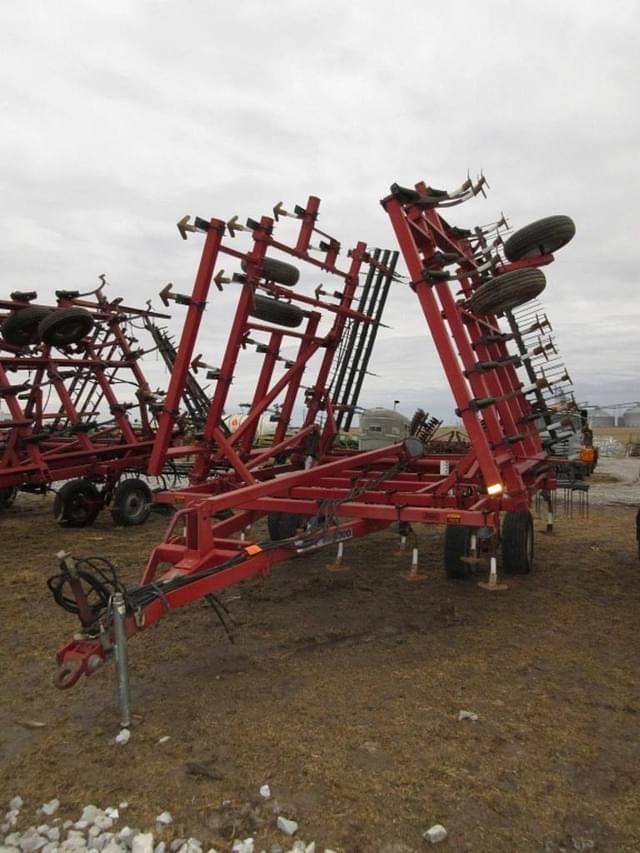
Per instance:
(319,324)
(80,409)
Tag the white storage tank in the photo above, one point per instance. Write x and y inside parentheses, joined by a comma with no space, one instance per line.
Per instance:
(380,427)
(631,417)
(602,418)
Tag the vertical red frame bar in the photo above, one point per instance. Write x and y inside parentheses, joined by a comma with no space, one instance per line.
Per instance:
(187,342)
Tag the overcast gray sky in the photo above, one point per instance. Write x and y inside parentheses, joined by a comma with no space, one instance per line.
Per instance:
(119,117)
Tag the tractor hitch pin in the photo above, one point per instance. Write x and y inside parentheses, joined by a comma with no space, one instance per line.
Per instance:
(122,658)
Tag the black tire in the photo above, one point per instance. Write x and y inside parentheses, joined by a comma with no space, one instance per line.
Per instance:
(7,496)
(457,543)
(22,328)
(278,271)
(542,237)
(275,311)
(77,504)
(517,542)
(131,503)
(284,525)
(507,291)
(65,326)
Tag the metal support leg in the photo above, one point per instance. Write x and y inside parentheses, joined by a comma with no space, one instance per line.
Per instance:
(122,658)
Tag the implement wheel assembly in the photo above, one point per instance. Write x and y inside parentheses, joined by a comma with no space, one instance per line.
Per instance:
(7,496)
(457,544)
(21,329)
(275,311)
(542,237)
(507,291)
(65,326)
(77,504)
(279,272)
(131,503)
(517,542)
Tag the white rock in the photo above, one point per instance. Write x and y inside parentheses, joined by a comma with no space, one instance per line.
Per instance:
(467,715)
(51,847)
(290,827)
(435,834)
(164,819)
(123,736)
(191,845)
(265,791)
(67,824)
(89,813)
(16,803)
(245,846)
(298,847)
(82,825)
(114,847)
(54,833)
(11,818)
(43,829)
(160,847)
(32,840)
(112,812)
(123,805)
(164,738)
(50,808)
(4,829)
(13,840)
(310,848)
(103,822)
(142,843)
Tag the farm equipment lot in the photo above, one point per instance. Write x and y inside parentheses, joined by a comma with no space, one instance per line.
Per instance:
(342,691)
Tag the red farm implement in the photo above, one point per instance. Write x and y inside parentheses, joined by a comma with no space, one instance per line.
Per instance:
(80,410)
(468,284)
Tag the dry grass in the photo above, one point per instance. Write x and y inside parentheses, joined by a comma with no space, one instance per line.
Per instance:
(343,691)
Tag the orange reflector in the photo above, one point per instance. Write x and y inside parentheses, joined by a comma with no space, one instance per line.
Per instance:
(253,549)
(495,489)
(453,517)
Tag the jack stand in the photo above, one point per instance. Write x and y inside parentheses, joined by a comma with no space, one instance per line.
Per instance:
(402,547)
(549,522)
(122,658)
(413,575)
(493,585)
(338,566)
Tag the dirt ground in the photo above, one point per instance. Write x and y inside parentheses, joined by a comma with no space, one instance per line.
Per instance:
(342,691)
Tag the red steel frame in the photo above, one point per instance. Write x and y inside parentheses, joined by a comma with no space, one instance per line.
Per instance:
(347,494)
(51,433)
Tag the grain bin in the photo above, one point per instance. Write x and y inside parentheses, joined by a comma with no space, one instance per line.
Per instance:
(601,418)
(379,427)
(631,418)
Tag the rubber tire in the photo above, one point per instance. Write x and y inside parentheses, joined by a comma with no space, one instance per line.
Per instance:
(279,272)
(77,504)
(131,503)
(283,525)
(507,291)
(65,326)
(542,237)
(8,495)
(275,311)
(517,542)
(457,542)
(21,328)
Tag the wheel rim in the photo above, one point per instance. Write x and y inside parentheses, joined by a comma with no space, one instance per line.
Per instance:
(134,505)
(79,509)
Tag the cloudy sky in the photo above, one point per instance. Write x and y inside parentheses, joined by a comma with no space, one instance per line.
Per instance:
(118,118)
